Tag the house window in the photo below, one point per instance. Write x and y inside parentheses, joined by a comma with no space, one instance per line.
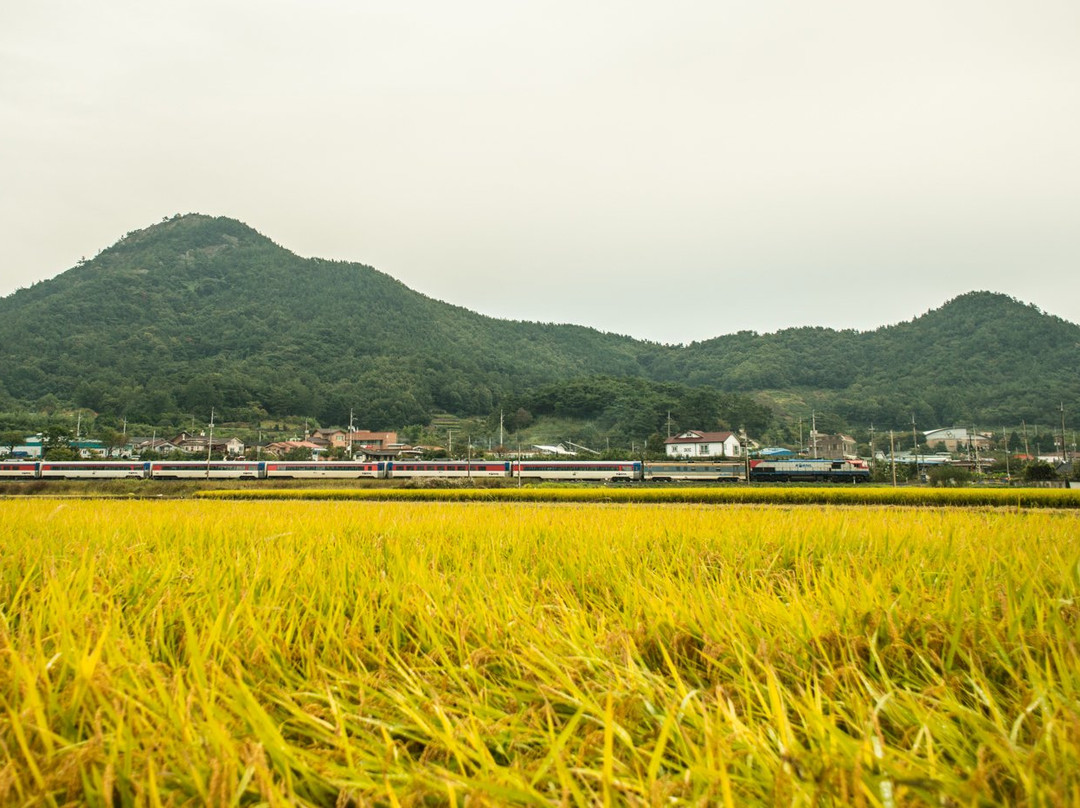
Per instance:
(703,449)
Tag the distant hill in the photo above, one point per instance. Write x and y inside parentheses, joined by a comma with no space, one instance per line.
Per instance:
(981,357)
(199,311)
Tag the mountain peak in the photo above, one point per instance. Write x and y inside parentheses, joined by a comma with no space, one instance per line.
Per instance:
(191,231)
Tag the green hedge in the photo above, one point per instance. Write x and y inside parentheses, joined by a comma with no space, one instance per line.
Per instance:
(964,497)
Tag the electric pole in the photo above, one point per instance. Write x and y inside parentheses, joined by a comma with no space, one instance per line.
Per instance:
(915,446)
(892,456)
(210,443)
(1064,447)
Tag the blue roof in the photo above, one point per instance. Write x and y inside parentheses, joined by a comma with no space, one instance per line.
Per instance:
(776,451)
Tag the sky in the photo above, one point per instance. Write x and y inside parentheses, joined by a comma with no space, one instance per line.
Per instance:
(673,171)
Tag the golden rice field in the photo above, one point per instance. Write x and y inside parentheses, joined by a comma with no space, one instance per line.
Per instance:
(491,653)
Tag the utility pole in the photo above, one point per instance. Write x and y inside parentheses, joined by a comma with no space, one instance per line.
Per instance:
(813,432)
(350,433)
(78,425)
(450,440)
(468,457)
(892,456)
(1005,437)
(873,460)
(210,443)
(500,427)
(1023,426)
(669,423)
(1064,446)
(746,452)
(975,440)
(915,446)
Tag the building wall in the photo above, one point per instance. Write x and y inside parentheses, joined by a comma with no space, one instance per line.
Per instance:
(729,448)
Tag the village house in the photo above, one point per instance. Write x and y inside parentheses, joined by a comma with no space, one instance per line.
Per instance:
(159,445)
(283,447)
(330,438)
(693,443)
(834,446)
(955,439)
(199,444)
(371,440)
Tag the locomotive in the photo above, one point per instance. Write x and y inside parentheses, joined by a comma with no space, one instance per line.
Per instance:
(807,470)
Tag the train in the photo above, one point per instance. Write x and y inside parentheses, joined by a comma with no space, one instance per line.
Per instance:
(605,470)
(796,470)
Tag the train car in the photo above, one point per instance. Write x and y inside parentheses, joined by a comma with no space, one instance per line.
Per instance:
(809,471)
(80,469)
(725,471)
(215,469)
(447,468)
(324,469)
(578,469)
(18,469)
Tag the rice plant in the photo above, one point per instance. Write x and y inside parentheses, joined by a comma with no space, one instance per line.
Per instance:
(406,653)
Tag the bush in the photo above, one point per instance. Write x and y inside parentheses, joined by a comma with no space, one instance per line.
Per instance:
(949,475)
(1039,471)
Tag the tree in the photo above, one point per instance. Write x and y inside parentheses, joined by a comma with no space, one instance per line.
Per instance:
(520,419)
(61,453)
(1039,472)
(11,439)
(113,440)
(55,437)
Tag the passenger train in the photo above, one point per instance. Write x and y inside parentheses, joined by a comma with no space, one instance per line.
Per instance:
(799,470)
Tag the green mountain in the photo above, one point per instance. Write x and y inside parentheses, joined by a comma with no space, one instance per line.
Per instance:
(981,357)
(199,312)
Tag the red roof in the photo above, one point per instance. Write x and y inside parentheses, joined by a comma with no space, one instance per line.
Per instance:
(693,436)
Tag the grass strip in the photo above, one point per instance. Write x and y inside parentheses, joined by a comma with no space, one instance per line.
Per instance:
(1023,498)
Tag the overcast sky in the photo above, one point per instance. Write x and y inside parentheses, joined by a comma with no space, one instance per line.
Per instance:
(674,170)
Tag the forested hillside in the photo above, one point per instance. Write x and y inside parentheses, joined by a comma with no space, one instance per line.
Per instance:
(982,356)
(197,312)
